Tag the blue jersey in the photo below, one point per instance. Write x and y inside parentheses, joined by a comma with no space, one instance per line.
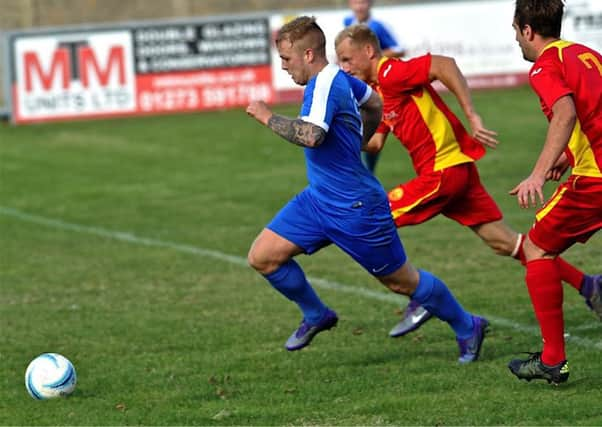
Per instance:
(336,174)
(385,37)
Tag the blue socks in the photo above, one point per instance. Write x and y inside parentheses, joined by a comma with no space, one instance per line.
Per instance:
(290,281)
(433,295)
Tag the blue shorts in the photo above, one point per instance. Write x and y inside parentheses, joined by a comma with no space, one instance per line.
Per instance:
(366,232)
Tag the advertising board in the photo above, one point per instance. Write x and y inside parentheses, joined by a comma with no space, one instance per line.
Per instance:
(478,34)
(484,49)
(223,62)
(151,68)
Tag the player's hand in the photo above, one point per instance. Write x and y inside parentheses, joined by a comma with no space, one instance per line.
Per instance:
(559,168)
(260,111)
(556,173)
(481,133)
(528,191)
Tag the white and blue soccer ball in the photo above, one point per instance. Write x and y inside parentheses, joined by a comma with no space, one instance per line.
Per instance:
(50,375)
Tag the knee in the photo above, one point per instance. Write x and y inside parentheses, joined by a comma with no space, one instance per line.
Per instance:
(255,261)
(404,281)
(261,262)
(532,251)
(401,288)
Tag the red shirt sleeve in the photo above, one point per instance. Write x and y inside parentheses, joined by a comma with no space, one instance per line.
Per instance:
(383,128)
(396,75)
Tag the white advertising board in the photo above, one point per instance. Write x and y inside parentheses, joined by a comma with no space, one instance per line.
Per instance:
(139,68)
(477,34)
(74,74)
(583,22)
(223,62)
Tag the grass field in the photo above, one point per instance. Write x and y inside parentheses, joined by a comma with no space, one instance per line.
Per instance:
(123,247)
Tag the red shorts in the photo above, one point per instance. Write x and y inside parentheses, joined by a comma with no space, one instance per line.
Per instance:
(455,192)
(573,214)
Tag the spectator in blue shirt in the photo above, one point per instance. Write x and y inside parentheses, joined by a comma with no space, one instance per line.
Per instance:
(361,15)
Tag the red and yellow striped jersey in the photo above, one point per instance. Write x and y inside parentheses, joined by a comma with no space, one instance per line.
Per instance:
(565,68)
(418,117)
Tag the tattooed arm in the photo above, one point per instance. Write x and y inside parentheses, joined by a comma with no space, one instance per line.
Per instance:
(295,131)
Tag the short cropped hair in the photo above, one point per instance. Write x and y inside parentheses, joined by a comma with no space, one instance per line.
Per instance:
(303,32)
(543,16)
(359,34)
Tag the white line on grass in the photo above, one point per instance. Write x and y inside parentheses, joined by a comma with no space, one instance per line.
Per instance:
(237,260)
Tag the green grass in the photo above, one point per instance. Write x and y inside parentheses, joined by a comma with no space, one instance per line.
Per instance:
(124,250)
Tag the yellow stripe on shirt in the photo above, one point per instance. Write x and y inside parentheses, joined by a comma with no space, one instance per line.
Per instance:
(581,149)
(448,151)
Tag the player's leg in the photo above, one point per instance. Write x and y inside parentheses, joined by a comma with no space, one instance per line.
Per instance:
(545,288)
(507,242)
(573,214)
(499,237)
(272,255)
(370,237)
(495,233)
(545,291)
(431,293)
(476,209)
(415,202)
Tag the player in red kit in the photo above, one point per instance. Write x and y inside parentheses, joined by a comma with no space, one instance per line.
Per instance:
(443,153)
(567,77)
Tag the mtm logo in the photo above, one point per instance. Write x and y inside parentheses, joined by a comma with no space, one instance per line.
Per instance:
(74,61)
(67,75)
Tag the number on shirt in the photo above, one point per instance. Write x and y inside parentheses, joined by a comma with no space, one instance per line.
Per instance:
(590,61)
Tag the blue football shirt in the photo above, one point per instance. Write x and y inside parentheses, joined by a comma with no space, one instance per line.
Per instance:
(336,174)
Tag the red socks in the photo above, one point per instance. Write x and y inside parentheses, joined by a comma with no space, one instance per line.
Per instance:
(545,288)
(568,273)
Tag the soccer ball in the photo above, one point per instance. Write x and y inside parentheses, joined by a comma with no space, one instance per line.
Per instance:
(50,375)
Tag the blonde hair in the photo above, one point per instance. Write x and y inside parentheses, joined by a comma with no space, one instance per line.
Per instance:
(359,34)
(303,32)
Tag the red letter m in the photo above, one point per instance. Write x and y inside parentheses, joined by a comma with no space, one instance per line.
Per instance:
(60,60)
(88,62)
